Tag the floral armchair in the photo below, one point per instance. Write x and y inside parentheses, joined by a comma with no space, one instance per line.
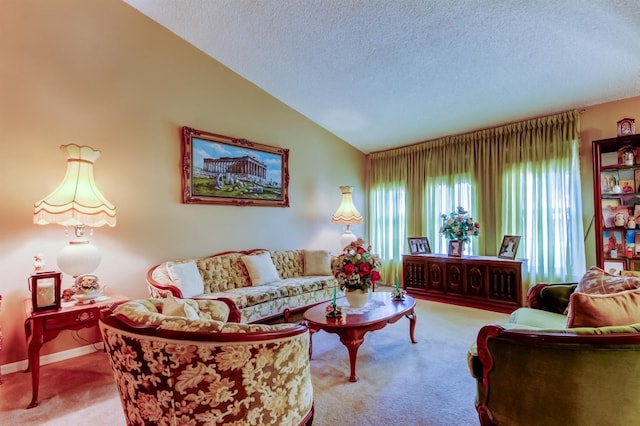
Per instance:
(171,369)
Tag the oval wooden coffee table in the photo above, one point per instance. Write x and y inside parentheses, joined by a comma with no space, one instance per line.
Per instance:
(352,327)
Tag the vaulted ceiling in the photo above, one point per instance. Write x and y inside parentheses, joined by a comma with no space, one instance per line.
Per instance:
(386,73)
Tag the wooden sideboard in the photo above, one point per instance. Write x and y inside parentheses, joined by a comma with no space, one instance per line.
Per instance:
(485,282)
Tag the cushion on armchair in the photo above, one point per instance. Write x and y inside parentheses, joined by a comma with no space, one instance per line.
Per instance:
(179,308)
(150,312)
(599,281)
(600,310)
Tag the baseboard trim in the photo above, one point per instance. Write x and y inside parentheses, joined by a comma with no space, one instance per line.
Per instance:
(51,358)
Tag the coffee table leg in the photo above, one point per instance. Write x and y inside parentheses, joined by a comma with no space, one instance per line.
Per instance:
(412,325)
(352,346)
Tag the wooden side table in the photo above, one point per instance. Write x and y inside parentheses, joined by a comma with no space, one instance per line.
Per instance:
(41,327)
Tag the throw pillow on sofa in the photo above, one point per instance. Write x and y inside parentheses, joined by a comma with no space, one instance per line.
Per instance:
(317,262)
(186,277)
(261,268)
(599,310)
(599,281)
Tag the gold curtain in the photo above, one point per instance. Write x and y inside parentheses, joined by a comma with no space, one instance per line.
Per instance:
(495,162)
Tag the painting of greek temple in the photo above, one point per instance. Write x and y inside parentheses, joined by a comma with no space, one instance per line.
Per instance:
(223,170)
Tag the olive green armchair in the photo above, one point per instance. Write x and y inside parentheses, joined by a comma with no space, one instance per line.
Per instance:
(580,377)
(536,371)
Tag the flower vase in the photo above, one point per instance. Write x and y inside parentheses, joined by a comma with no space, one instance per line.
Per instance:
(357,298)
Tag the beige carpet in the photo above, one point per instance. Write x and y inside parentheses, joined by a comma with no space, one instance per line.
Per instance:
(400,383)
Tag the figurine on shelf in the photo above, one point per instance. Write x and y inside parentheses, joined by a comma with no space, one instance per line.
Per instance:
(38,263)
(619,219)
(631,224)
(629,158)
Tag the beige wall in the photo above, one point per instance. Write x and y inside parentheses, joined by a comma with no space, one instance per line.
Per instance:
(599,122)
(100,73)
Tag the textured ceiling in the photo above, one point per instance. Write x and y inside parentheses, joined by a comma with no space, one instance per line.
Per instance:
(385,73)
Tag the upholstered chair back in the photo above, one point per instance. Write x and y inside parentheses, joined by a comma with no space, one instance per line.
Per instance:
(221,373)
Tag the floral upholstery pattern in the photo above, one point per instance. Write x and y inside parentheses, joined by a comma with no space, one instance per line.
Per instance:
(246,374)
(225,275)
(289,264)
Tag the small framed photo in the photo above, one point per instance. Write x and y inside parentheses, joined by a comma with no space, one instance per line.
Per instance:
(455,248)
(419,245)
(509,246)
(45,291)
(614,267)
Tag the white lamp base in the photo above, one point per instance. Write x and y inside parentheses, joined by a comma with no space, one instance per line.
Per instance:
(79,257)
(347,238)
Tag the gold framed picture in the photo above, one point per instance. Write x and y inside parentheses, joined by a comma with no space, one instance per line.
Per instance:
(218,169)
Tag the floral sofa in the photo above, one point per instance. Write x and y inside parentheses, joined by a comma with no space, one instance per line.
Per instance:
(567,358)
(262,283)
(180,361)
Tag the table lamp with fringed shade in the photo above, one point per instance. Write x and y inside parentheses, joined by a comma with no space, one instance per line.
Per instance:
(347,214)
(77,202)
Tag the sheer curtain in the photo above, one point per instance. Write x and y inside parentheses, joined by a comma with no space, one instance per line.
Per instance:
(520,179)
(541,199)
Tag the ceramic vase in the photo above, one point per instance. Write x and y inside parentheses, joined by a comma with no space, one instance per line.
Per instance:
(357,298)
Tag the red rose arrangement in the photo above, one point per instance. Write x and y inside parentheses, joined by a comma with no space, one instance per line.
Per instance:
(356,267)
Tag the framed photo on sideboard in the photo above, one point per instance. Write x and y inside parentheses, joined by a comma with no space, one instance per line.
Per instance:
(419,245)
(509,246)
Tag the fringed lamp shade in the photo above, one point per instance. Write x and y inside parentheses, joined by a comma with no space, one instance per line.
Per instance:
(347,214)
(77,202)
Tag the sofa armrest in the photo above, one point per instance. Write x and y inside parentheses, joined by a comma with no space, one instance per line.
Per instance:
(159,290)
(552,297)
(234,313)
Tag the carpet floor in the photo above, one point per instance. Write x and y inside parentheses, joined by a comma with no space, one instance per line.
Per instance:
(400,383)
